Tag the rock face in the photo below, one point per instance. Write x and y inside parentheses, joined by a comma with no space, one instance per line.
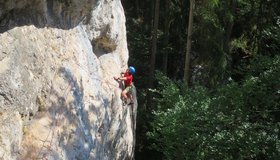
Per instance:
(58,99)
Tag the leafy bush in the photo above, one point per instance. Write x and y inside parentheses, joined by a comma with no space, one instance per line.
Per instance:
(236,121)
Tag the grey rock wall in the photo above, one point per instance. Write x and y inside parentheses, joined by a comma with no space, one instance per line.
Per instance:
(58,99)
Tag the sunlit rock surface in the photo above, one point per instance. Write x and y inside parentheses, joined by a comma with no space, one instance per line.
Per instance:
(58,99)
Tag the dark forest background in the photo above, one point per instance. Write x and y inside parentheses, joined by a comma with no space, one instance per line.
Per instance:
(208,78)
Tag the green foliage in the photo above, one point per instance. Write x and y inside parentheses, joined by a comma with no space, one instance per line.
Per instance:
(272,35)
(241,44)
(235,121)
(233,116)
(211,22)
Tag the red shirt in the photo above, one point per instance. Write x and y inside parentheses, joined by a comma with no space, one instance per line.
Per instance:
(129,78)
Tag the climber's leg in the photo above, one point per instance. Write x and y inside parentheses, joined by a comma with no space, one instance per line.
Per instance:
(125,92)
(129,95)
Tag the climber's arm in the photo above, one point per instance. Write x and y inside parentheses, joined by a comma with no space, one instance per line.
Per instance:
(120,78)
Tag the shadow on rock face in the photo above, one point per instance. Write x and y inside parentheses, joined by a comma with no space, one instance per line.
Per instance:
(63,14)
(65,123)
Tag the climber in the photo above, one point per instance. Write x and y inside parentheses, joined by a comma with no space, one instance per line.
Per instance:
(127,77)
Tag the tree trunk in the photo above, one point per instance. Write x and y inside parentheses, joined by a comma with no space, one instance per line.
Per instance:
(166,35)
(189,39)
(229,27)
(152,20)
(154,45)
(260,27)
(137,7)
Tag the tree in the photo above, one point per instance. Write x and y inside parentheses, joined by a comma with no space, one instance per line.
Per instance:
(234,121)
(220,42)
(189,41)
(166,35)
(154,44)
(229,26)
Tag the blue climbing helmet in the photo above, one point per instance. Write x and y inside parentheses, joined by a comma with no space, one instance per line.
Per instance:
(131,69)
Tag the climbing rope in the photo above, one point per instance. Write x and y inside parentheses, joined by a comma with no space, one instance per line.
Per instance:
(54,111)
(98,79)
(51,129)
(44,156)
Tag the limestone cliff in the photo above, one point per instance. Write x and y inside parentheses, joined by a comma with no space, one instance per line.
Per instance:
(58,99)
